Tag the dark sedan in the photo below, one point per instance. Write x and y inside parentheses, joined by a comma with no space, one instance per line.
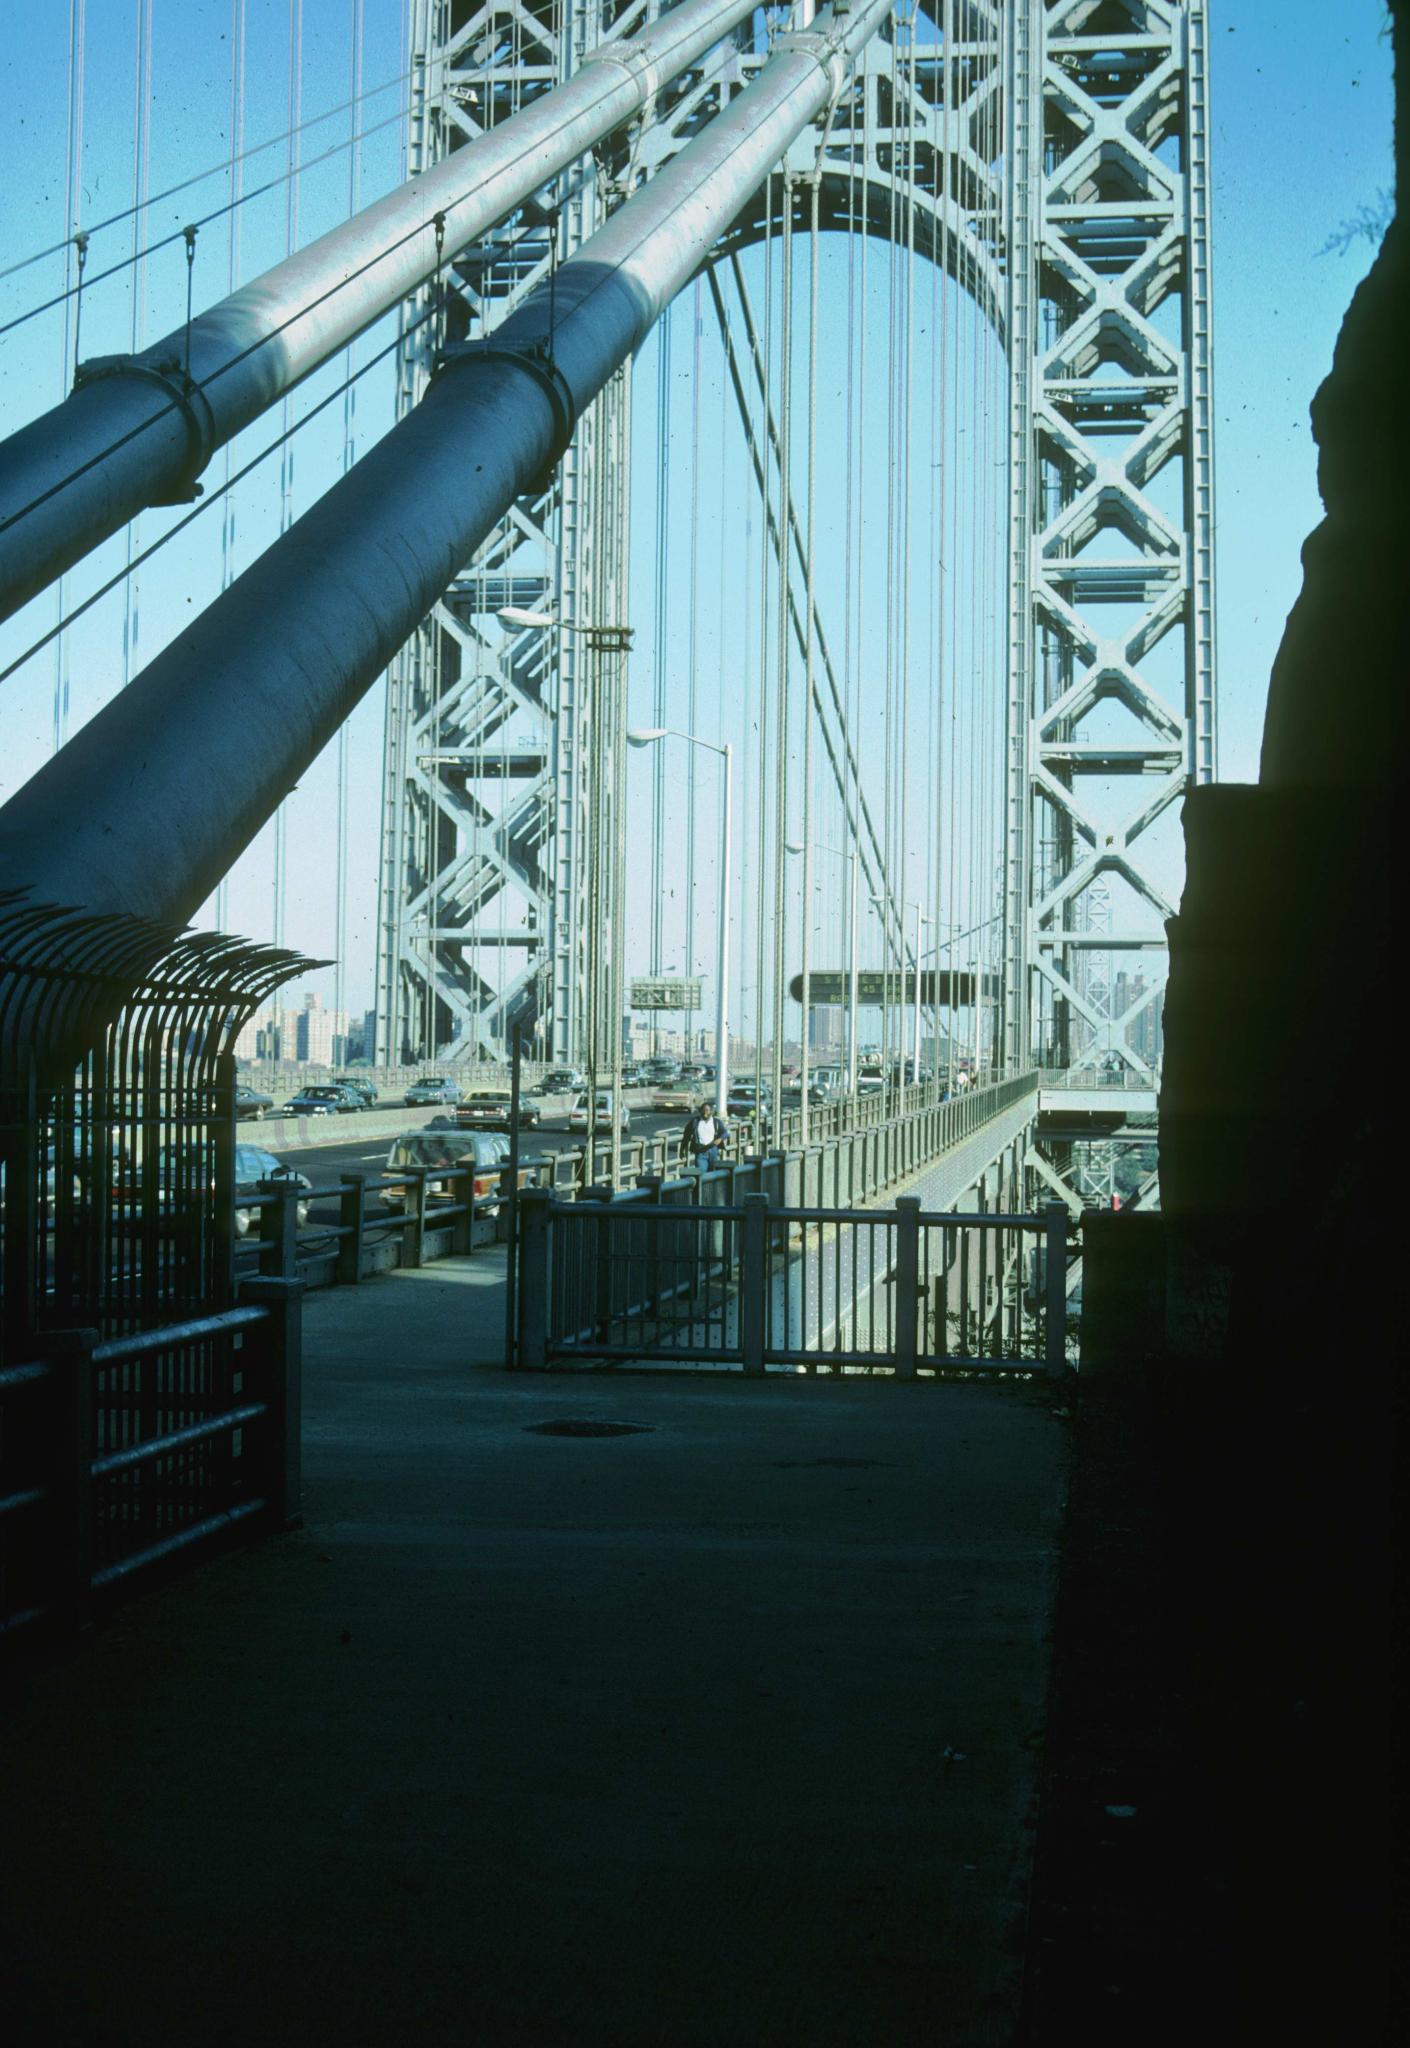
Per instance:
(250,1103)
(491,1109)
(322,1102)
(364,1090)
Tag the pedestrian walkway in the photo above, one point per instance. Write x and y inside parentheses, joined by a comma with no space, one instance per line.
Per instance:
(721,1730)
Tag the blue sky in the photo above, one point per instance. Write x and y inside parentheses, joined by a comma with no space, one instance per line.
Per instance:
(1301,140)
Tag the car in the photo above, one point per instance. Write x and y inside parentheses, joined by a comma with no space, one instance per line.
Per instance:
(602,1119)
(359,1087)
(665,1101)
(429,1088)
(560,1081)
(322,1100)
(250,1103)
(429,1149)
(747,1105)
(258,1172)
(491,1109)
(792,1096)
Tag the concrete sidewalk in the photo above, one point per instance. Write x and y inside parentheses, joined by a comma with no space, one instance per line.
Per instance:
(720,1731)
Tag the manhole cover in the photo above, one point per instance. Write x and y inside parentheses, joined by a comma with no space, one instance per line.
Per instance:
(580,1426)
(839,1464)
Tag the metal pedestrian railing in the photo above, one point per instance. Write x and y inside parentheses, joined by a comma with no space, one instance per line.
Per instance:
(752,1285)
(448,1210)
(122,1453)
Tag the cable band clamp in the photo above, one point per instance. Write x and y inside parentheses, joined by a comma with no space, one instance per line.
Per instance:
(537,358)
(188,398)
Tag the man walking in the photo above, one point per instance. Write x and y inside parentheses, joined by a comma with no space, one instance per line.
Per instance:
(703,1137)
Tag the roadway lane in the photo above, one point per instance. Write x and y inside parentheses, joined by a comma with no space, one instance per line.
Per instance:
(324,1164)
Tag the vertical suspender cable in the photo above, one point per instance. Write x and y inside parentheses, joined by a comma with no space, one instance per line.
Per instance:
(811,529)
(733,1008)
(955,583)
(340,848)
(286,457)
(141,162)
(781,741)
(692,626)
(661,620)
(848,567)
(906,105)
(765,560)
(237,175)
(858,372)
(941,457)
(73,188)
(892,952)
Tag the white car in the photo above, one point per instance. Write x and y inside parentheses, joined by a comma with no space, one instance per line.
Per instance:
(602,1121)
(453,1151)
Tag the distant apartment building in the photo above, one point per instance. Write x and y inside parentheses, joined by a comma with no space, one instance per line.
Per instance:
(278,1032)
(321,1036)
(1146,1033)
(247,1038)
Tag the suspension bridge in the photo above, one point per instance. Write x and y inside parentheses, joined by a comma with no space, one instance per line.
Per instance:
(756,464)
(700,504)
(913,316)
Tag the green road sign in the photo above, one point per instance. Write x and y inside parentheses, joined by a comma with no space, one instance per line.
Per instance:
(666,992)
(943,986)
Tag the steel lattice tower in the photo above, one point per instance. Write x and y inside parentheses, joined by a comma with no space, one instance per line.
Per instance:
(1111,511)
(1085,241)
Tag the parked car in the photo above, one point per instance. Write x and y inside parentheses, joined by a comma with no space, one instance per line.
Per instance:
(324,1100)
(258,1172)
(602,1120)
(429,1088)
(490,1109)
(560,1081)
(485,1150)
(250,1103)
(359,1087)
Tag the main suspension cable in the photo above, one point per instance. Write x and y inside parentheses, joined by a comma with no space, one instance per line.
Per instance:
(215,498)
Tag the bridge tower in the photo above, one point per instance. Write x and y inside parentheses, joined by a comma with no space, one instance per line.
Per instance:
(1111,682)
(1083,235)
(484,912)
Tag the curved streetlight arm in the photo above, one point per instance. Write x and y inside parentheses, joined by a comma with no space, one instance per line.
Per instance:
(647,736)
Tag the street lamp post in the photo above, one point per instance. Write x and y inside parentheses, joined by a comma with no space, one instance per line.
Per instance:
(795,847)
(948,946)
(600,640)
(915,1048)
(880,902)
(648,737)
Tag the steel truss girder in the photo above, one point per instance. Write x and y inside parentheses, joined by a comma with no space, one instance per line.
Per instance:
(1108,224)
